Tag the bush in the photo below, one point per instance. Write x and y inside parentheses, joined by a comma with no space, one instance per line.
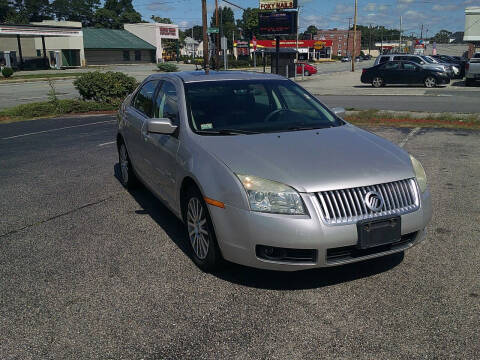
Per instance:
(167,67)
(7,72)
(108,87)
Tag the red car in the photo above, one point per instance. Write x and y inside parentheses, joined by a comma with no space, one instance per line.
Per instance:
(309,69)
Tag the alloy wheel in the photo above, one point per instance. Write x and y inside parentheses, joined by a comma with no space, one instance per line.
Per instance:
(377,82)
(430,82)
(198,228)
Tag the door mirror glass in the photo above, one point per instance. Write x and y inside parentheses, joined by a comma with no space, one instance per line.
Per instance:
(161,126)
(339,111)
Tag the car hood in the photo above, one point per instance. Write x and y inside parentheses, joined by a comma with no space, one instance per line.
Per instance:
(313,160)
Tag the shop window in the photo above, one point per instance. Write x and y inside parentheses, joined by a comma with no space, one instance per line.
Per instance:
(138,55)
(126,55)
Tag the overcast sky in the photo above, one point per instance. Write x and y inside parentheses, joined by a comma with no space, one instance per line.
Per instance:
(434,14)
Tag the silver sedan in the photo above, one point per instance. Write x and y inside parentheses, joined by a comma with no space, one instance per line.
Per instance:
(265,175)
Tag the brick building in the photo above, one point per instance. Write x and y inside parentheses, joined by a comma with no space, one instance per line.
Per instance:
(342,41)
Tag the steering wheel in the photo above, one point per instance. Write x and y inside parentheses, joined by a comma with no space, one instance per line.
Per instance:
(275,113)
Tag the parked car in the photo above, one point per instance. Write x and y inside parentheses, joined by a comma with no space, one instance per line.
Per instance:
(472,73)
(367,57)
(346,59)
(453,67)
(460,62)
(405,73)
(418,59)
(308,69)
(245,161)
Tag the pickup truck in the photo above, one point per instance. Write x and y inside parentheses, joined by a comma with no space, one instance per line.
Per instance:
(472,72)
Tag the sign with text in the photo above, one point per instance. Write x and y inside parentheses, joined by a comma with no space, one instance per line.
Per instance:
(277,4)
(277,23)
(168,32)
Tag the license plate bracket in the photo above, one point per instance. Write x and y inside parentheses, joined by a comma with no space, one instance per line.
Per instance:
(378,232)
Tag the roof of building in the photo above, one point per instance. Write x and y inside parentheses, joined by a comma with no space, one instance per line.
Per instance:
(94,38)
(199,76)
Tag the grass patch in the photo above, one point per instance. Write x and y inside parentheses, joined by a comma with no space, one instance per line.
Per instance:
(43,76)
(51,109)
(399,119)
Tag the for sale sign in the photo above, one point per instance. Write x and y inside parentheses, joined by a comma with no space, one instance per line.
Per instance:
(277,4)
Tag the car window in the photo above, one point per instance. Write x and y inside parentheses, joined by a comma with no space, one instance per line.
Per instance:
(166,103)
(397,58)
(143,100)
(255,106)
(384,59)
(392,66)
(409,66)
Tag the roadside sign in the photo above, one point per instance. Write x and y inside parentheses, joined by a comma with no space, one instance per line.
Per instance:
(224,43)
(277,4)
(277,23)
(318,45)
(213,30)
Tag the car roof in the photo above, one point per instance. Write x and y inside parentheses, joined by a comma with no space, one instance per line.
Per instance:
(200,76)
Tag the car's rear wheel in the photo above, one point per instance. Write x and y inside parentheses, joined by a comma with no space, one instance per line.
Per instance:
(430,82)
(377,82)
(306,73)
(127,176)
(201,235)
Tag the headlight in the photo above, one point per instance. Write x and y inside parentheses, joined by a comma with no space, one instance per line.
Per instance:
(419,174)
(271,196)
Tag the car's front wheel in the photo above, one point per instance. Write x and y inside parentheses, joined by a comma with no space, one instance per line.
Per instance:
(430,82)
(377,82)
(127,176)
(201,235)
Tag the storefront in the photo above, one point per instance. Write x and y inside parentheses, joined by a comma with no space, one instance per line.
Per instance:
(307,49)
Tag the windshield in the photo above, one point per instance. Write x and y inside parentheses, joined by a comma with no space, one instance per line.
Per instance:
(235,107)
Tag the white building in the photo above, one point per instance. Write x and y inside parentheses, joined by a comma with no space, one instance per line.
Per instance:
(472,29)
(191,47)
(154,33)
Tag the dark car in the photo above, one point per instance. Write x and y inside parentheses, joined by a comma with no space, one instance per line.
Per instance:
(460,61)
(403,72)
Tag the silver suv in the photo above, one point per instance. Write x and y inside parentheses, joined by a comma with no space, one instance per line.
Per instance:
(418,59)
(263,174)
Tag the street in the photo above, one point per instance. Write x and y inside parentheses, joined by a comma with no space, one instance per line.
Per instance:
(90,270)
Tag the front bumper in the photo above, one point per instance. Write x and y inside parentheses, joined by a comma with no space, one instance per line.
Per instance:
(240,231)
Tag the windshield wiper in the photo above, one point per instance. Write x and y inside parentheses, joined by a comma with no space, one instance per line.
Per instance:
(227,132)
(299,128)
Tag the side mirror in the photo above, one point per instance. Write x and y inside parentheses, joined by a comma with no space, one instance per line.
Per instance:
(339,111)
(161,126)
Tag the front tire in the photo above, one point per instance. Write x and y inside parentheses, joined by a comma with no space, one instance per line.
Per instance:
(430,82)
(378,82)
(201,235)
(127,176)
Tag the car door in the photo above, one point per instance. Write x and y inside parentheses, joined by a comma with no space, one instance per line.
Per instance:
(162,149)
(139,110)
(391,72)
(412,73)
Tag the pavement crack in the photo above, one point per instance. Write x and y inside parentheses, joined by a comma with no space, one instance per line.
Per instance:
(58,215)
(409,136)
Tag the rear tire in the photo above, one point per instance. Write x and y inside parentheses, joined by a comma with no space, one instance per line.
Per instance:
(200,232)
(430,82)
(127,176)
(378,82)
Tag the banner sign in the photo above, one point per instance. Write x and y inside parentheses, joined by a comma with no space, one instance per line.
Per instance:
(277,4)
(283,44)
(169,32)
(277,23)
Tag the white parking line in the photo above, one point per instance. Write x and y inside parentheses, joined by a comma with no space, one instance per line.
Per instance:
(57,129)
(409,136)
(108,143)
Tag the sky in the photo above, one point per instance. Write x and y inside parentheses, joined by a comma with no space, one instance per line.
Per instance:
(434,14)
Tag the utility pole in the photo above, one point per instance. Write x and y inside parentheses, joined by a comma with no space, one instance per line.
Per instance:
(217,47)
(381,44)
(348,33)
(421,33)
(400,42)
(298,28)
(369,39)
(354,36)
(206,65)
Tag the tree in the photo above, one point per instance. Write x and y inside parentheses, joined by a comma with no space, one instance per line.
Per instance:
(197,32)
(25,11)
(5,10)
(161,20)
(249,22)
(105,18)
(115,13)
(442,37)
(76,10)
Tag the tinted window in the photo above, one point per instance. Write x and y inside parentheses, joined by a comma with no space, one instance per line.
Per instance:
(144,98)
(397,58)
(384,59)
(414,59)
(392,66)
(409,66)
(257,106)
(166,104)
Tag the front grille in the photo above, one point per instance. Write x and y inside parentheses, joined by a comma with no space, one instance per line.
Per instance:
(353,252)
(347,206)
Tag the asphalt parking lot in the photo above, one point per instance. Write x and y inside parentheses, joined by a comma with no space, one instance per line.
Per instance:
(91,271)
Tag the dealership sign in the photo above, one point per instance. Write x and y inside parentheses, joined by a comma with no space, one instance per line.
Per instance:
(277,23)
(168,32)
(277,4)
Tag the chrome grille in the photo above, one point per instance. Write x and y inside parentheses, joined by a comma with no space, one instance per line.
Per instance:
(347,206)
